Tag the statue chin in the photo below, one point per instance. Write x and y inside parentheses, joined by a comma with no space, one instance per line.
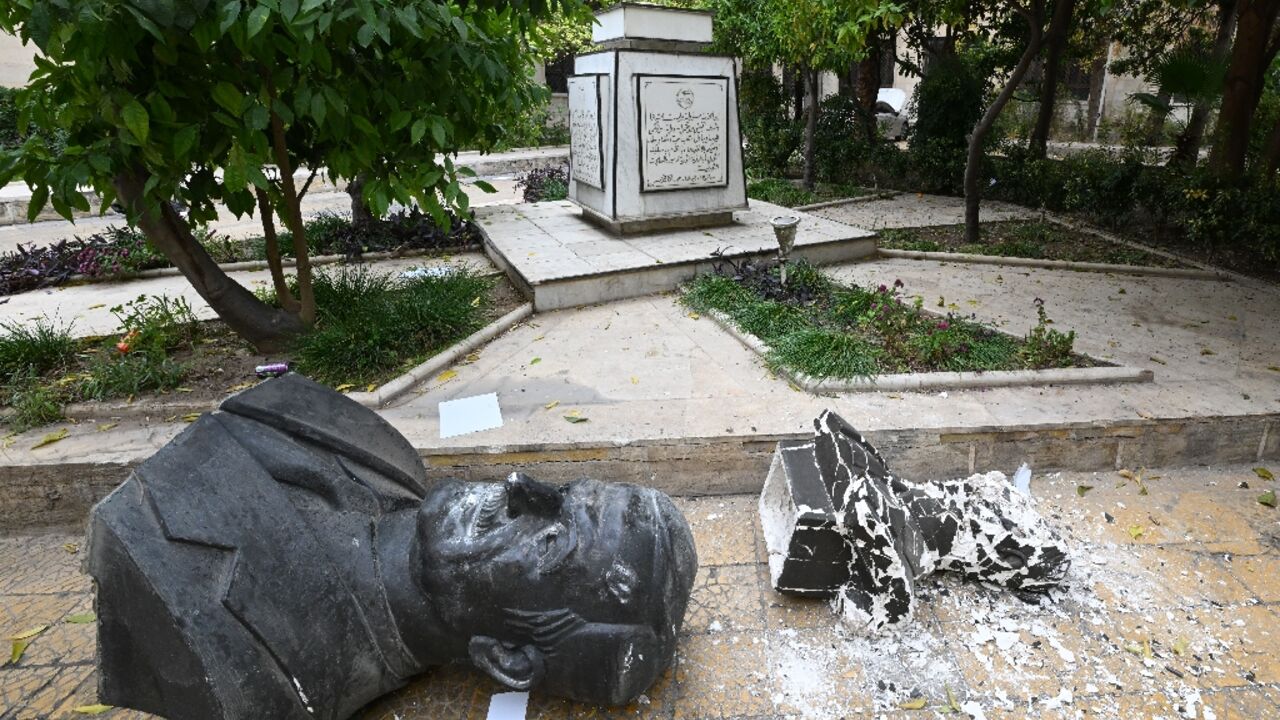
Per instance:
(286,557)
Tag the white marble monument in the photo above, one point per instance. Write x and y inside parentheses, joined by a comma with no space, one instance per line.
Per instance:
(653,124)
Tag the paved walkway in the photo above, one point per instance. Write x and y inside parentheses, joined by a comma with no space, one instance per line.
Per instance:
(1182,620)
(917,210)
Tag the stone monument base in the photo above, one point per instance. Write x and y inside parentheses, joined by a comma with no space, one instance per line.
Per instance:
(638,226)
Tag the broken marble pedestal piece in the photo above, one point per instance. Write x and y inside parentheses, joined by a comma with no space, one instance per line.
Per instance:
(838,524)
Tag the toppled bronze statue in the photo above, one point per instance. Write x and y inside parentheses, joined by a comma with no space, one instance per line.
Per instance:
(286,557)
(838,524)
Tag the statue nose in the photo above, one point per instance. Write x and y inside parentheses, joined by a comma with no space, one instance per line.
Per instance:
(526,495)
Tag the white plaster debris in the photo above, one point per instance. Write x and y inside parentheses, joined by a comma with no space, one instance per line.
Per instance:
(1022,479)
(1030,649)
(508,706)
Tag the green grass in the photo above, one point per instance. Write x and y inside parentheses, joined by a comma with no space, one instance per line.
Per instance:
(371,326)
(780,191)
(823,329)
(37,347)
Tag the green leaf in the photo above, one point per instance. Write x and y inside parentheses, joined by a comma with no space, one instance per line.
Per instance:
(399,119)
(535,361)
(226,95)
(96,709)
(136,119)
(228,14)
(318,108)
(310,5)
(485,186)
(575,419)
(364,35)
(184,140)
(258,20)
(39,197)
(81,618)
(288,9)
(1082,489)
(438,131)
(1263,473)
(1268,498)
(417,131)
(257,117)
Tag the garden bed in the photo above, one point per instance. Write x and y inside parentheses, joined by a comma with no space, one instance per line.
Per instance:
(120,252)
(371,328)
(1031,239)
(816,328)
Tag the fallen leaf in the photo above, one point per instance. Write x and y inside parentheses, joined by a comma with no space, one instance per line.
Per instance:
(345,387)
(1155,359)
(1274,368)
(694,315)
(551,404)
(1134,648)
(447,375)
(183,390)
(1127,474)
(81,618)
(1268,498)
(912,704)
(1146,649)
(99,305)
(106,426)
(1263,473)
(1082,489)
(535,361)
(575,419)
(1146,414)
(635,380)
(242,386)
(371,387)
(71,548)
(1136,531)
(51,438)
(21,641)
(476,302)
(952,703)
(1180,646)
(97,709)
(795,387)
(191,417)
(1207,351)
(539,338)
(473,357)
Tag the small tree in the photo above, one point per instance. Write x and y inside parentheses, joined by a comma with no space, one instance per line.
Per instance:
(200,99)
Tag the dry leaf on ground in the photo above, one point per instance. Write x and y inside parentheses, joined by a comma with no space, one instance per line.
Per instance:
(51,438)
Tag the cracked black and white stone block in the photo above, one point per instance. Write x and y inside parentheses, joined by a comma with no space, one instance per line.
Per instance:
(286,557)
(838,524)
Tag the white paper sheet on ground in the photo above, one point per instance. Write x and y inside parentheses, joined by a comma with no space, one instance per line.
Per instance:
(1022,479)
(469,414)
(508,706)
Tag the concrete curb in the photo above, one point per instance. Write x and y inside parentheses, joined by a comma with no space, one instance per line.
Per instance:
(940,380)
(262,264)
(1187,273)
(394,389)
(379,397)
(1110,237)
(885,195)
(62,493)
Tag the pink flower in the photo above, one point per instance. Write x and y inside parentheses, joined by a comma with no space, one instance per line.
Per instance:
(944,325)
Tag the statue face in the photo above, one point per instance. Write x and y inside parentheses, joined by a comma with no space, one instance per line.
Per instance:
(590,574)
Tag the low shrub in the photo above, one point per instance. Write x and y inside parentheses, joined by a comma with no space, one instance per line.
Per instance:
(779,192)
(770,134)
(371,325)
(544,184)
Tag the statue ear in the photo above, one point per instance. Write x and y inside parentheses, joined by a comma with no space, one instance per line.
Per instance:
(519,667)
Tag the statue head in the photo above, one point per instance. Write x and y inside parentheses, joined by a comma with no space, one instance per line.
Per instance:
(579,589)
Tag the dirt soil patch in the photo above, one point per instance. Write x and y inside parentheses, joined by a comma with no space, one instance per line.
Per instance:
(1024,239)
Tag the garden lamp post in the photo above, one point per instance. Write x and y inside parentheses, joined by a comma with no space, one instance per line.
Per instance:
(784,229)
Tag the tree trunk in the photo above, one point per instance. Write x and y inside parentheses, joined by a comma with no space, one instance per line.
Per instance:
(1056,43)
(1097,73)
(267,328)
(1187,149)
(810,125)
(1243,87)
(869,87)
(973,164)
(360,215)
(1271,156)
(291,212)
(283,296)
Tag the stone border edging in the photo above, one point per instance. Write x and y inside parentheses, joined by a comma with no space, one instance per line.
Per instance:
(883,195)
(1110,237)
(262,264)
(379,397)
(1186,273)
(909,382)
(395,388)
